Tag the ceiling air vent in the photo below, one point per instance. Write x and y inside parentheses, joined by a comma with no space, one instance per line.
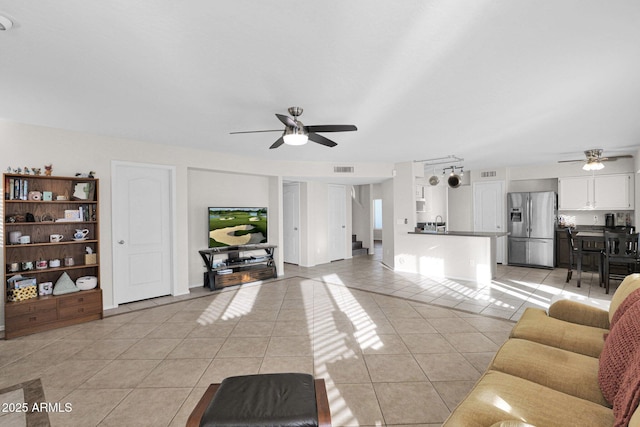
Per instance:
(343,169)
(487,174)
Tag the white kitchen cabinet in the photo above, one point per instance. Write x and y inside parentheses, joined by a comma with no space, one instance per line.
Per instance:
(613,192)
(600,192)
(575,193)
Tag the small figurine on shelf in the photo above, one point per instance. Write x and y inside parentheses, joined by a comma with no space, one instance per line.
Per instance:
(19,170)
(26,171)
(9,169)
(36,171)
(85,175)
(48,169)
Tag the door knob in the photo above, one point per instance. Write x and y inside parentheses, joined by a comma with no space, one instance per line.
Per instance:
(121,242)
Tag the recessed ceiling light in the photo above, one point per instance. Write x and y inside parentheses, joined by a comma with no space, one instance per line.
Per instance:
(5,23)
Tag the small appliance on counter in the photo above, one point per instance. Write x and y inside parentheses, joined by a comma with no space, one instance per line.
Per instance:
(609,220)
(623,219)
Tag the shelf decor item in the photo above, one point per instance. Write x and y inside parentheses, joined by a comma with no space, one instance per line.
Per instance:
(38,241)
(45,288)
(64,285)
(85,283)
(22,294)
(83,190)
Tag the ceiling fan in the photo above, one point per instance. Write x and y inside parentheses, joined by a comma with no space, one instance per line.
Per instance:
(594,159)
(296,133)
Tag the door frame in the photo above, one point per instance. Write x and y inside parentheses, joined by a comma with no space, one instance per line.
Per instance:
(173,226)
(295,185)
(343,227)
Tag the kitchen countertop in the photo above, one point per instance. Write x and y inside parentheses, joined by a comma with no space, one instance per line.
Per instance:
(462,233)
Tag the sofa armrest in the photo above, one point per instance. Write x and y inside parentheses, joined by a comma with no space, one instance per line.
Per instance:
(582,314)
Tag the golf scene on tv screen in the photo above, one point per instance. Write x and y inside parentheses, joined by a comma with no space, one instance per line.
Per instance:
(237,226)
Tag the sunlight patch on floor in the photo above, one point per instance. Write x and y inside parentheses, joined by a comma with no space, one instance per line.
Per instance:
(365,328)
(240,304)
(339,321)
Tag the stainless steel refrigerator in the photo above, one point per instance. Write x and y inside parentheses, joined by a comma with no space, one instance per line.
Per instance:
(531,225)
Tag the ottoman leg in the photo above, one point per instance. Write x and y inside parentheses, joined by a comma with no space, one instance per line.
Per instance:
(322,403)
(198,411)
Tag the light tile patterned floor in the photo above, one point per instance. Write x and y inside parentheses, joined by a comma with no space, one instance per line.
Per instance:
(395,349)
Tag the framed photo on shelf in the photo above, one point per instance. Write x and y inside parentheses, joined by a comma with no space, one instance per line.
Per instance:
(45,288)
(83,190)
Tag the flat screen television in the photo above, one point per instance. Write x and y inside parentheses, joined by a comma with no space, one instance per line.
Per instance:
(235,226)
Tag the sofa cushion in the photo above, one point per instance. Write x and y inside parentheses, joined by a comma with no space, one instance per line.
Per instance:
(561,370)
(498,396)
(581,312)
(628,285)
(535,325)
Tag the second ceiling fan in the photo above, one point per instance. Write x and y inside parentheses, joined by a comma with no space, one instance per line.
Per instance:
(296,133)
(593,159)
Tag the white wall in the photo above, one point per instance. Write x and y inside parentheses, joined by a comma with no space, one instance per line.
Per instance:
(388,230)
(522,185)
(561,170)
(404,208)
(460,215)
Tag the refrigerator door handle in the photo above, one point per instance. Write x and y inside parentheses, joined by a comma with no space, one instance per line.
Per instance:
(530,211)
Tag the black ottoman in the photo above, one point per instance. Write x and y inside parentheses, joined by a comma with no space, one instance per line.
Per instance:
(269,400)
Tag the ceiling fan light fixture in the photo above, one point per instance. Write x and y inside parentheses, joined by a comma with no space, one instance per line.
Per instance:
(295,136)
(296,139)
(593,165)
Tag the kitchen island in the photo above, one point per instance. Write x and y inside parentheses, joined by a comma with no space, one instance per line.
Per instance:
(465,255)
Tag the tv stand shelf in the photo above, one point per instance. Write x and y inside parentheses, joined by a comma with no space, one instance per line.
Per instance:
(233,269)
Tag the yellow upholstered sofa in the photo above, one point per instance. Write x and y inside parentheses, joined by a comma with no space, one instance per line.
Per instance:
(553,369)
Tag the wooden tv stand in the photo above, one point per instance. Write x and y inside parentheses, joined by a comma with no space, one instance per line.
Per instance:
(237,265)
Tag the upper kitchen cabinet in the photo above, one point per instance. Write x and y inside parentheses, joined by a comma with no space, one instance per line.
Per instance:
(575,193)
(613,192)
(600,192)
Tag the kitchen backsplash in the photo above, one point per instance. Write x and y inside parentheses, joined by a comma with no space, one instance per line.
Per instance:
(593,217)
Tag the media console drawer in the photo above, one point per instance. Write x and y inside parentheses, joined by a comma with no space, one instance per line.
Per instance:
(245,276)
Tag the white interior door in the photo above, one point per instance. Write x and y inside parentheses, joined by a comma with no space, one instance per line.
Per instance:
(337,222)
(488,212)
(291,223)
(142,197)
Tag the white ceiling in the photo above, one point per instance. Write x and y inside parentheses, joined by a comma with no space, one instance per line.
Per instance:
(500,82)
